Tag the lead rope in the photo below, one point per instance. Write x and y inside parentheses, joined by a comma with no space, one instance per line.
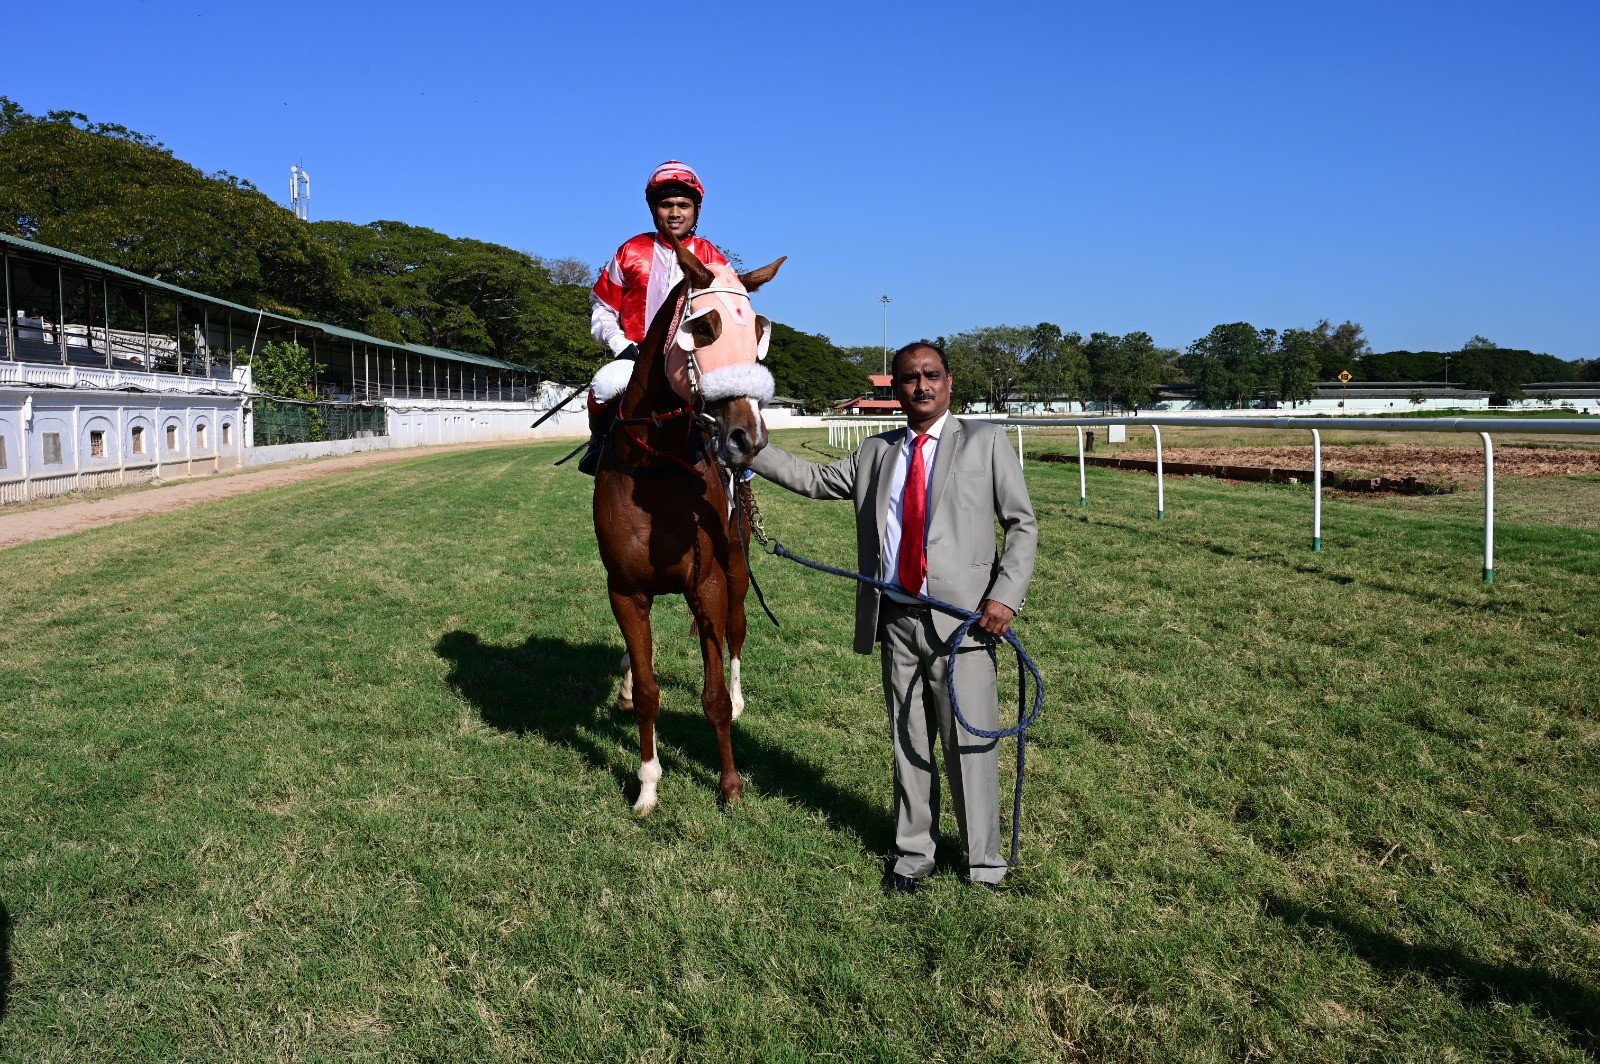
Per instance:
(1025,666)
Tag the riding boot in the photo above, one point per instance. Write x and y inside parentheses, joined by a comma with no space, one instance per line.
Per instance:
(600,418)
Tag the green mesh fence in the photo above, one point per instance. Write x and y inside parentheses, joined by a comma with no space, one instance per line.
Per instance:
(280,422)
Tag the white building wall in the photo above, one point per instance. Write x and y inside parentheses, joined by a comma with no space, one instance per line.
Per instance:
(57,441)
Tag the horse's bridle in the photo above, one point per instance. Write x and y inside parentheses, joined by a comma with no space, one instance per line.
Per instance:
(691,293)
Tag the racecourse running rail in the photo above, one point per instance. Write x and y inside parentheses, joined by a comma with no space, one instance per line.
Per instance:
(849,432)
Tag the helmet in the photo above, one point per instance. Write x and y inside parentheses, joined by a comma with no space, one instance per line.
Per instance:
(670,173)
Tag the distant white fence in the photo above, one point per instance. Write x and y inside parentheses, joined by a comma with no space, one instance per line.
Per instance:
(848,433)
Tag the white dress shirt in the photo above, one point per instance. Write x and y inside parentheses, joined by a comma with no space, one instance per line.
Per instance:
(889,550)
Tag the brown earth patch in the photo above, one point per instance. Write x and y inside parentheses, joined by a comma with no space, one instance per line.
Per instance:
(1396,460)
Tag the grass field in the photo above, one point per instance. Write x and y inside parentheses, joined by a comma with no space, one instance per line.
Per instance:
(331,772)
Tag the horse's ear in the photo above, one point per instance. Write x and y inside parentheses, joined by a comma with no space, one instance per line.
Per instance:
(697,272)
(756,278)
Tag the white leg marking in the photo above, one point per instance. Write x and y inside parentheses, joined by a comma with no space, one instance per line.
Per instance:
(649,776)
(736,692)
(625,695)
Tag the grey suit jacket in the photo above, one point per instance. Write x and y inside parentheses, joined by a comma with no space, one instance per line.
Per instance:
(976,478)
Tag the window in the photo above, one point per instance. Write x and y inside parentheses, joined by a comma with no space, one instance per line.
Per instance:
(199,437)
(172,437)
(52,448)
(97,443)
(2,452)
(227,434)
(138,439)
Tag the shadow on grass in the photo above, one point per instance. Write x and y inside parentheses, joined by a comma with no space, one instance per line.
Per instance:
(1476,983)
(565,693)
(5,959)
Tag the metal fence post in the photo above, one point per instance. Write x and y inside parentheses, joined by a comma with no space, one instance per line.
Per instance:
(1161,483)
(1083,483)
(1488,508)
(1316,490)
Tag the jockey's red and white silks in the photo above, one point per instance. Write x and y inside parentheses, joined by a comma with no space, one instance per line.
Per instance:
(635,283)
(731,366)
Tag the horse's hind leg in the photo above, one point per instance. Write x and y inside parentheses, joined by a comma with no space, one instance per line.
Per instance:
(633,617)
(625,692)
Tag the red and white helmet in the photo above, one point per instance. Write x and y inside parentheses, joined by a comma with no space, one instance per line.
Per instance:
(674,172)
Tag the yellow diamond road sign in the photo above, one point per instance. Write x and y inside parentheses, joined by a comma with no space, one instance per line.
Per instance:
(1344,375)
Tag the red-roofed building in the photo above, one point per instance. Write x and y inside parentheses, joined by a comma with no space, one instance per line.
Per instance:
(881,401)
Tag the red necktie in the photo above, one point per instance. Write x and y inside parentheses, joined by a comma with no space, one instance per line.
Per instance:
(914,522)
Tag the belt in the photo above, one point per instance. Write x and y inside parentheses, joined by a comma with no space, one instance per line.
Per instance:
(915,609)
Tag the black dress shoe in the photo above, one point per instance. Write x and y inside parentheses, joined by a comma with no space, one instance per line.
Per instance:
(895,883)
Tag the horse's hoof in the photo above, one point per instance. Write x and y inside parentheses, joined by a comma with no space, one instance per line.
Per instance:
(624,704)
(645,805)
(732,794)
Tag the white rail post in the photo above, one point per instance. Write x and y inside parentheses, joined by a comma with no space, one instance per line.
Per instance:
(1083,484)
(1488,508)
(1019,445)
(1161,484)
(1316,490)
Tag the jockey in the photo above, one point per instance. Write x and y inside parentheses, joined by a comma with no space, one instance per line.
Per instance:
(635,283)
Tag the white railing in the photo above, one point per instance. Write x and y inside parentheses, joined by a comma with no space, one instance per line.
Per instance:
(847,433)
(38,374)
(1482,426)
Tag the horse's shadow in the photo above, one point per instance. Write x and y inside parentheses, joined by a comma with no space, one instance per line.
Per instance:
(564,692)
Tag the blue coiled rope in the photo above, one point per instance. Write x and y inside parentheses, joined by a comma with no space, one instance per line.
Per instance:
(1025,666)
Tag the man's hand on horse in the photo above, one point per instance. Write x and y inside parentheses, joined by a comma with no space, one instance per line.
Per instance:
(995,617)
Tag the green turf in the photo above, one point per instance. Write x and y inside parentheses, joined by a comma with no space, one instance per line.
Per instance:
(330,772)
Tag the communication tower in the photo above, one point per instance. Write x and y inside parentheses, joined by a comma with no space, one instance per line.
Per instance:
(299,193)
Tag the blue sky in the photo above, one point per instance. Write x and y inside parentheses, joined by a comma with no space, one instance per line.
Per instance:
(1431,170)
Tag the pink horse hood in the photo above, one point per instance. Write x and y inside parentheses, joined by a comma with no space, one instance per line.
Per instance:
(730,367)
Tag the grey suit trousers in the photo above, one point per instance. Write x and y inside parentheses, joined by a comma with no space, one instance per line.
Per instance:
(915,660)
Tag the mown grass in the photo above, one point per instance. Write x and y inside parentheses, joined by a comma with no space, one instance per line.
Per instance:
(331,772)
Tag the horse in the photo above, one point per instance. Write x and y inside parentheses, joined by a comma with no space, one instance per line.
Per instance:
(664,500)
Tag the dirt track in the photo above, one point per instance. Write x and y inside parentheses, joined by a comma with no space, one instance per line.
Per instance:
(48,520)
(1396,460)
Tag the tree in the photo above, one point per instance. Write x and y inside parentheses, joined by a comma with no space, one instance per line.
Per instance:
(1141,366)
(810,368)
(567,271)
(1056,367)
(1416,398)
(1230,363)
(870,357)
(467,295)
(283,371)
(1295,365)
(996,354)
(106,192)
(1341,349)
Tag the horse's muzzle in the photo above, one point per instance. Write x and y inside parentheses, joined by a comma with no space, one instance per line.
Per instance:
(740,432)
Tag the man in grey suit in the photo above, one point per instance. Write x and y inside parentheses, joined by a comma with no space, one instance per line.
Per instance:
(926,499)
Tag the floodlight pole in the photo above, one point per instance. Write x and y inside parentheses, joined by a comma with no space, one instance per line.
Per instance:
(1447,371)
(885,300)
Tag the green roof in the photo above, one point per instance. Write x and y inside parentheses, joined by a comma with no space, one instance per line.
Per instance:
(46,251)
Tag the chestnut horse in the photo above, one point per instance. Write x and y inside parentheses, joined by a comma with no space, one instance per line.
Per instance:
(662,497)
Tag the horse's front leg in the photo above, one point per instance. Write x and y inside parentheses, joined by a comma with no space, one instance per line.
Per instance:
(736,631)
(633,617)
(710,612)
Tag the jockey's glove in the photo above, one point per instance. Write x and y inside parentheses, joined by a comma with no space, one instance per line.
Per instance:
(631,351)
